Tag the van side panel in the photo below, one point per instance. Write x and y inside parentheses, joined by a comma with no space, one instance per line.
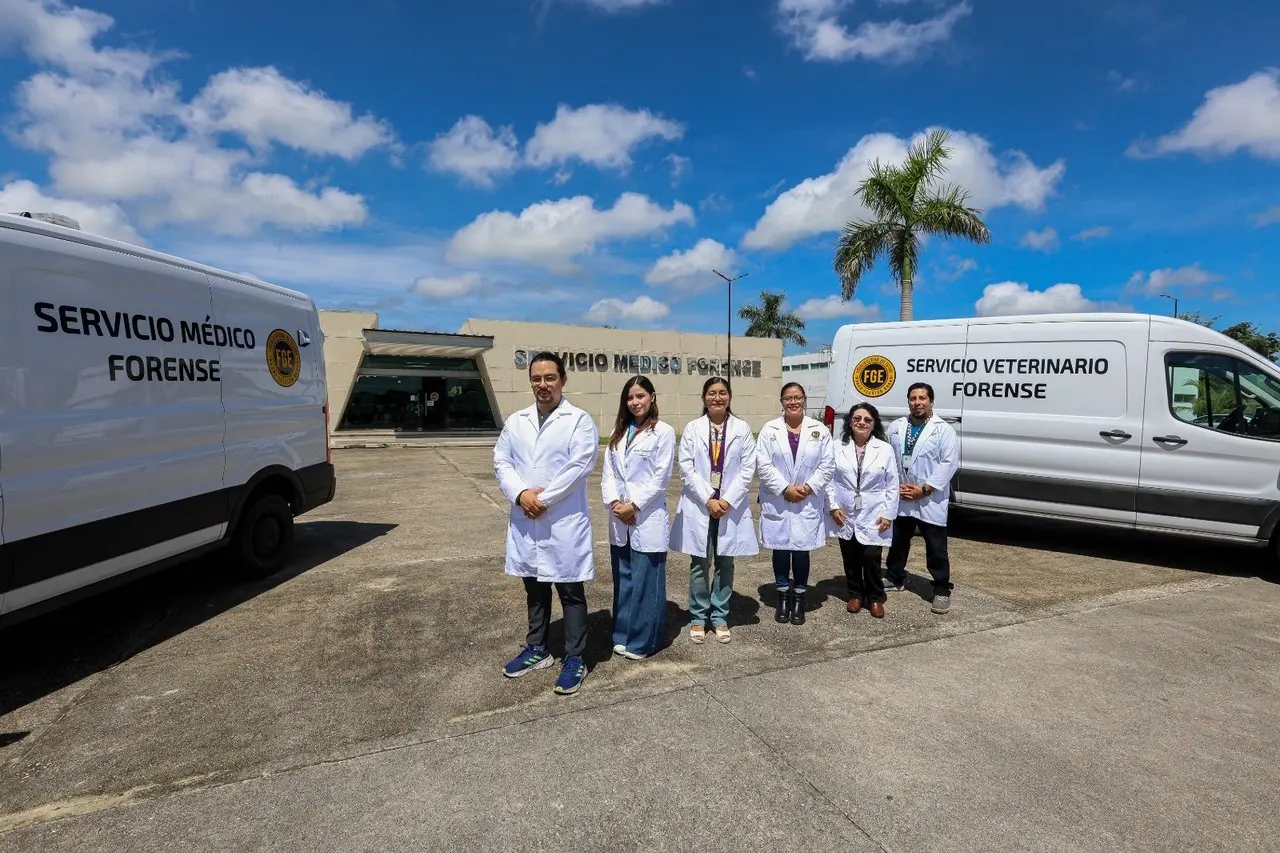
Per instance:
(1053,417)
(1200,471)
(113,419)
(274,391)
(883,361)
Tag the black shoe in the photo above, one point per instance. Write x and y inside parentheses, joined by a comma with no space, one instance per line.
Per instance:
(797,608)
(783,613)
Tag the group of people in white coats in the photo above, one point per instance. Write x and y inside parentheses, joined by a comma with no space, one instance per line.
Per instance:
(867,489)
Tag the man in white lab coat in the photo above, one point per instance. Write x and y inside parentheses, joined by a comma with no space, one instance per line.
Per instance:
(928,455)
(542,460)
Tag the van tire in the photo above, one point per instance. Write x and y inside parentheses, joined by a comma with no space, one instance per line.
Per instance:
(263,540)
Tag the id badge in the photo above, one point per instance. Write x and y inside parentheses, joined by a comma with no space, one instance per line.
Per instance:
(857,503)
(715,479)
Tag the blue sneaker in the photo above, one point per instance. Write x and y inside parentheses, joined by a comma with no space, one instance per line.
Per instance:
(529,659)
(571,675)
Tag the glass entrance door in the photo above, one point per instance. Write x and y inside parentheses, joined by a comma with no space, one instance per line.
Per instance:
(417,404)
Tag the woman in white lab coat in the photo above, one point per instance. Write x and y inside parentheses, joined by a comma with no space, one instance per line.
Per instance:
(713,519)
(637,469)
(795,461)
(863,501)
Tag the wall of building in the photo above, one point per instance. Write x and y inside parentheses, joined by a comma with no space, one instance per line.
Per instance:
(343,349)
(755,397)
(810,369)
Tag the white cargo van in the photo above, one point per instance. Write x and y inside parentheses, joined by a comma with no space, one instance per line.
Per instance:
(150,409)
(1123,419)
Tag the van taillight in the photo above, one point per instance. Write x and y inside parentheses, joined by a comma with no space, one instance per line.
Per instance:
(829,418)
(328,451)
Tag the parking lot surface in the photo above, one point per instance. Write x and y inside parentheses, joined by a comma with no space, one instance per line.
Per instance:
(1090,690)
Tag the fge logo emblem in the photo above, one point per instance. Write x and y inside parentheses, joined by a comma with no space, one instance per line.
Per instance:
(874,375)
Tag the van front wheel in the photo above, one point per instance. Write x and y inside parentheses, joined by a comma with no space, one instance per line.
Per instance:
(263,540)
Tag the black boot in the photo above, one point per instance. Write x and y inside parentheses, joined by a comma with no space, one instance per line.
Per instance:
(797,607)
(783,614)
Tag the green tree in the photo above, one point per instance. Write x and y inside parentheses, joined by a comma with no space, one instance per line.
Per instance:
(1265,344)
(906,204)
(768,320)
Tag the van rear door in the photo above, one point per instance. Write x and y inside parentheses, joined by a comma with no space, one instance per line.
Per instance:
(1211,455)
(1053,417)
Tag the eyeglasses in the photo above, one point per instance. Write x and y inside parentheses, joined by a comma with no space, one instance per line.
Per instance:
(864,420)
(793,399)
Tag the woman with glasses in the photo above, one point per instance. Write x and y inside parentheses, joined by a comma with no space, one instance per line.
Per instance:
(863,500)
(795,461)
(713,519)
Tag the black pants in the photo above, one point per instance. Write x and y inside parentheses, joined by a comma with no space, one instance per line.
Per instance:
(935,552)
(862,570)
(573,601)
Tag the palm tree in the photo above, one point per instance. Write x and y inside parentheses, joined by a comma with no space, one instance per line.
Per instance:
(768,320)
(906,206)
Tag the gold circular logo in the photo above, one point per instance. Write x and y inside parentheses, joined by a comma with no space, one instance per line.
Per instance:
(284,359)
(874,375)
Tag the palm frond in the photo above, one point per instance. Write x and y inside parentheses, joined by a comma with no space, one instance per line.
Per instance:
(926,161)
(885,194)
(858,249)
(948,215)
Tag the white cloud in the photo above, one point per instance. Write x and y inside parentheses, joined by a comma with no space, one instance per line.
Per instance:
(1191,277)
(1241,115)
(1009,298)
(825,203)
(1125,84)
(448,287)
(1095,233)
(831,307)
(602,135)
(552,233)
(1270,216)
(116,132)
(642,309)
(106,219)
(620,5)
(473,150)
(679,166)
(814,27)
(955,269)
(1040,241)
(687,267)
(264,107)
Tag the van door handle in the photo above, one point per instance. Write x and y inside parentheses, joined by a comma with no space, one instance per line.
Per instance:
(1115,433)
(1170,440)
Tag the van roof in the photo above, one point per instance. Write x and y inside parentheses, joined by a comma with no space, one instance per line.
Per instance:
(35,226)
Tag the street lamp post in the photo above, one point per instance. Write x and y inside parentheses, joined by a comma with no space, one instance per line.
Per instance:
(1175,302)
(728,355)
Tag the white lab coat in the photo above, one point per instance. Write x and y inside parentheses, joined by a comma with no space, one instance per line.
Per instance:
(735,535)
(784,525)
(935,460)
(879,491)
(557,545)
(640,475)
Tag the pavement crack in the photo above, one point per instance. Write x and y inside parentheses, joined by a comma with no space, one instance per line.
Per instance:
(470,479)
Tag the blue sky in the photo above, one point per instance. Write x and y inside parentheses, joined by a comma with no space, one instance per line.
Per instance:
(592,160)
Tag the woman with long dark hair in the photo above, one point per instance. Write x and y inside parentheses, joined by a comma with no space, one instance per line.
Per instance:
(713,519)
(795,461)
(863,502)
(637,469)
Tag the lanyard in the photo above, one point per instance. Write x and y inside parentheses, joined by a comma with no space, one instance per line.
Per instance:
(859,453)
(716,451)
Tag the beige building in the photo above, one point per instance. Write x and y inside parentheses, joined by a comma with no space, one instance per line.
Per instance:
(388,382)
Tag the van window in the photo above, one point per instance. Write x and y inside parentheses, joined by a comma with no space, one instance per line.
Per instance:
(1223,393)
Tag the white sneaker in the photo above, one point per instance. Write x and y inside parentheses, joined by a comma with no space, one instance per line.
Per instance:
(619,649)
(941,604)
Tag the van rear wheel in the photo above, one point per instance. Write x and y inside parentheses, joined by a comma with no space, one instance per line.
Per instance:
(263,540)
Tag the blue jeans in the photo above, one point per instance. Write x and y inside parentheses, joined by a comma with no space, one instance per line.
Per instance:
(709,599)
(639,599)
(787,563)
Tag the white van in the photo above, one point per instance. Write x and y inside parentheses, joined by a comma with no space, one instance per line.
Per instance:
(1123,419)
(150,409)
